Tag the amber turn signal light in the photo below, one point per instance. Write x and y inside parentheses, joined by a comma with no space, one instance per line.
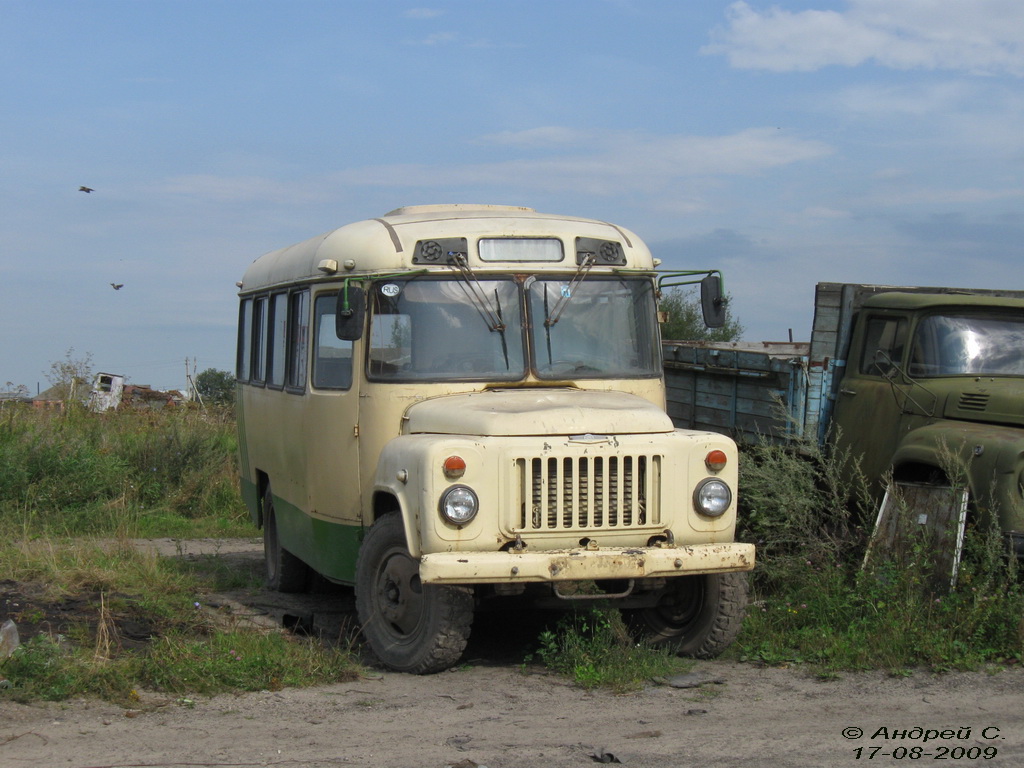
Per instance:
(454,467)
(716,460)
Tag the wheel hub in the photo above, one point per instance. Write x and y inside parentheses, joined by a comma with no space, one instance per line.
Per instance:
(400,594)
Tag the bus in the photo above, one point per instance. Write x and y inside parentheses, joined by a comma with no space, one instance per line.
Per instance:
(452,405)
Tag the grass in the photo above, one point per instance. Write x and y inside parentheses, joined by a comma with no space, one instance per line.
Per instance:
(594,648)
(75,488)
(134,473)
(815,602)
(88,591)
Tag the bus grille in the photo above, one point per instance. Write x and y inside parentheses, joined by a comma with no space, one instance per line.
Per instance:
(584,493)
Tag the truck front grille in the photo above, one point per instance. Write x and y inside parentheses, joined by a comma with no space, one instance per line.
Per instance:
(586,493)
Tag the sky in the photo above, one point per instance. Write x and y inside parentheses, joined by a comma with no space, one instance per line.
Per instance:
(784,143)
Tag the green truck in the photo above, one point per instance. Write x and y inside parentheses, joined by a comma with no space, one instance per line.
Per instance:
(907,380)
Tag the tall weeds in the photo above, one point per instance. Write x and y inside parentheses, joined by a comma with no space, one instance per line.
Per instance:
(815,601)
(80,473)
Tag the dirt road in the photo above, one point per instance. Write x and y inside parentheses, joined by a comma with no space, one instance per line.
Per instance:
(496,712)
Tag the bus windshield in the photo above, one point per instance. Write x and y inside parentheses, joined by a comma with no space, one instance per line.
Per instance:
(448,329)
(604,328)
(968,344)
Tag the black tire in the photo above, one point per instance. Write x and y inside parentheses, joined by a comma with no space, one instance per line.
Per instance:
(696,616)
(284,571)
(410,626)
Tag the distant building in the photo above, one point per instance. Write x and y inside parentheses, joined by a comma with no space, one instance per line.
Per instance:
(54,398)
(110,392)
(106,393)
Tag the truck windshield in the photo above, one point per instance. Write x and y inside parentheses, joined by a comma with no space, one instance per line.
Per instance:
(447,329)
(606,328)
(968,344)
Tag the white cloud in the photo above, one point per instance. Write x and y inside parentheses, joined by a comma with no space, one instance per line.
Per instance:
(887,100)
(423,13)
(545,136)
(438,38)
(975,36)
(824,212)
(940,197)
(608,163)
(232,189)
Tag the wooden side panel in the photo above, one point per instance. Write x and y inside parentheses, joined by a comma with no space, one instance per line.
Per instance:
(746,391)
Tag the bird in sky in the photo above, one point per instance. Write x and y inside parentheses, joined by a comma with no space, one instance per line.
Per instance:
(117,286)
(87,190)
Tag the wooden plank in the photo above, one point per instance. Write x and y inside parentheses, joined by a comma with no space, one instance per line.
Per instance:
(915,518)
(745,390)
(767,398)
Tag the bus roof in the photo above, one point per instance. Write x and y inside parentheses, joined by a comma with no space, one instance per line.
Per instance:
(394,243)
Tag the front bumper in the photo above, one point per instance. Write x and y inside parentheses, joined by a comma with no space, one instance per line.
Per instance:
(584,564)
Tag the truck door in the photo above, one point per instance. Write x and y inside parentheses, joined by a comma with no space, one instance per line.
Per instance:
(866,426)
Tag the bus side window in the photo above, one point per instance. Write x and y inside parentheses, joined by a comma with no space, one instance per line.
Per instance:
(298,339)
(244,357)
(259,341)
(332,365)
(278,339)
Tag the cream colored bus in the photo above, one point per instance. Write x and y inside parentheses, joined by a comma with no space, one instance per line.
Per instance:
(452,404)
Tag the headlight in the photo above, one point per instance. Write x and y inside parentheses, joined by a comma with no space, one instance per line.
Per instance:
(459,504)
(712,497)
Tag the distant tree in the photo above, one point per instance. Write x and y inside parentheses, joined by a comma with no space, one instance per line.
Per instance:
(13,390)
(686,320)
(216,386)
(71,377)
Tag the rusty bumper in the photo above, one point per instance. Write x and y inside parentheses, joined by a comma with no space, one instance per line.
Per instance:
(584,564)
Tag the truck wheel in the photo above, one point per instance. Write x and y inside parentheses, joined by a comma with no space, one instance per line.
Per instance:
(410,626)
(696,616)
(284,571)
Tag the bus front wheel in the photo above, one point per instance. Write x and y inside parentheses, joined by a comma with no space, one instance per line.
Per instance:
(284,571)
(696,615)
(410,626)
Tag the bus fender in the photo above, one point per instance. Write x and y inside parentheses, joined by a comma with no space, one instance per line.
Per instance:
(395,488)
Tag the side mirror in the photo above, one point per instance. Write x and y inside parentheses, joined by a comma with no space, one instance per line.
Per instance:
(712,302)
(350,313)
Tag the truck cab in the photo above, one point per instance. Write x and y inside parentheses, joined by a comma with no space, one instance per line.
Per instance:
(932,390)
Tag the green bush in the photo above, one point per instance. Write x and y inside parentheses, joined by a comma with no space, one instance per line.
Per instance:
(814,600)
(80,473)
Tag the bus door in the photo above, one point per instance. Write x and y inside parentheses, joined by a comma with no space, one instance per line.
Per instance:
(330,440)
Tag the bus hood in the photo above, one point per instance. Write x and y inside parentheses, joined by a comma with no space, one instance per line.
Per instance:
(524,412)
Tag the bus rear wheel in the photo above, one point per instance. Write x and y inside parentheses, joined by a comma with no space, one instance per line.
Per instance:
(284,571)
(410,626)
(696,616)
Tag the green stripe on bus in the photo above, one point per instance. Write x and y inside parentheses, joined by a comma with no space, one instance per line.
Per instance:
(329,548)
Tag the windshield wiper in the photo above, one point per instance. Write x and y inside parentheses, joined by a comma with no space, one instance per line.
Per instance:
(476,292)
(504,343)
(493,318)
(547,325)
(569,290)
